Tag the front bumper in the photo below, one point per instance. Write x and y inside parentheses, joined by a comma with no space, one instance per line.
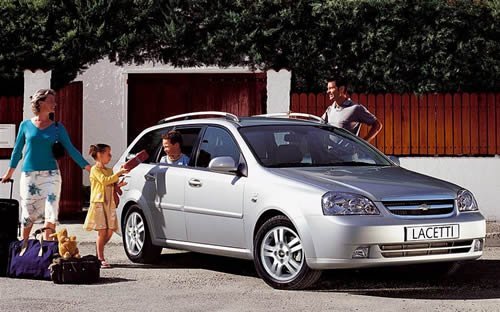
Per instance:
(335,239)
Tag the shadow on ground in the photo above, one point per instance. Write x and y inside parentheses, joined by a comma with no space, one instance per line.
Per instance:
(192,260)
(471,280)
(113,280)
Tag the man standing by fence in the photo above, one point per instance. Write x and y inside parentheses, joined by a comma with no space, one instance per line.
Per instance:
(344,113)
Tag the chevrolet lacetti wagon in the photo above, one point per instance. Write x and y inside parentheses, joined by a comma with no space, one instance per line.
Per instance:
(293,194)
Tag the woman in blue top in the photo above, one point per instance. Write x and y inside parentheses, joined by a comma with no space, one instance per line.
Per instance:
(40,184)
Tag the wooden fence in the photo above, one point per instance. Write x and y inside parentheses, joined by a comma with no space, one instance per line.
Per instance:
(460,124)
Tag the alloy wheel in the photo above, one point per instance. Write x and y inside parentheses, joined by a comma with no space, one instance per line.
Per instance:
(135,234)
(282,254)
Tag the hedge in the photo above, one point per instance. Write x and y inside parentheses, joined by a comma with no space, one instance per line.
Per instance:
(378,45)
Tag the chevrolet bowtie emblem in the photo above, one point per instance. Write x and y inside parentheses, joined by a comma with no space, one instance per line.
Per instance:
(424,207)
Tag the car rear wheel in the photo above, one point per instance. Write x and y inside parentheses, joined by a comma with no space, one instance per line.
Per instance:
(280,257)
(137,240)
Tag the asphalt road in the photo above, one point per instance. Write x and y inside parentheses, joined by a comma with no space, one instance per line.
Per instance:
(185,281)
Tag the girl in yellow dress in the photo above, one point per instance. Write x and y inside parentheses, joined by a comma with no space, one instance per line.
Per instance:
(101,216)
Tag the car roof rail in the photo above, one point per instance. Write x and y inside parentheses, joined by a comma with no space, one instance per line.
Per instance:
(293,115)
(198,114)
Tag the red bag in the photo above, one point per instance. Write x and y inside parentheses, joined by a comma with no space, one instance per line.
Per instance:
(136,160)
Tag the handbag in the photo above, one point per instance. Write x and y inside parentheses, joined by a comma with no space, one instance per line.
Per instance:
(57,148)
(31,258)
(84,270)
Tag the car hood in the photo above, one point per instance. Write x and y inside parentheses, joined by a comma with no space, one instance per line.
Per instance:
(380,183)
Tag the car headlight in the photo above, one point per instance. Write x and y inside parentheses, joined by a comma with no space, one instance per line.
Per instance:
(337,203)
(466,201)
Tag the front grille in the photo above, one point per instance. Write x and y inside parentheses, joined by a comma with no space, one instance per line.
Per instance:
(425,249)
(420,207)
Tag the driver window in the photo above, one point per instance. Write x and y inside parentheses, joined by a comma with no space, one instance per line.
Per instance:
(217,142)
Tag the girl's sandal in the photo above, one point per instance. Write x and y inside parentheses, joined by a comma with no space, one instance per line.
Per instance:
(105,264)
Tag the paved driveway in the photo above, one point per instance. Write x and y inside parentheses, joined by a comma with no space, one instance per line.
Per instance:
(185,281)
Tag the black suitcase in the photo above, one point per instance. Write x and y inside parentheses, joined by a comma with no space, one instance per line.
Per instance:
(84,270)
(9,225)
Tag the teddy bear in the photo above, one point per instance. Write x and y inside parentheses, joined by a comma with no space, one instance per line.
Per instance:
(67,245)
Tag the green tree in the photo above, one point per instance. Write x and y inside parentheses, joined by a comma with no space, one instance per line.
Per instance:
(379,45)
(63,36)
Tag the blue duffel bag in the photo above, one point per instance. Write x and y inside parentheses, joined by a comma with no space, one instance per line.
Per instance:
(31,258)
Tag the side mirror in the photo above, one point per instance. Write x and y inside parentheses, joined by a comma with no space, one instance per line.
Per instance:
(223,164)
(394,159)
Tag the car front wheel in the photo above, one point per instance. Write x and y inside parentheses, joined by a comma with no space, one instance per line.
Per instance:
(280,257)
(137,239)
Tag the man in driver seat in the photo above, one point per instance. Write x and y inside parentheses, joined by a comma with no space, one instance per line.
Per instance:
(172,145)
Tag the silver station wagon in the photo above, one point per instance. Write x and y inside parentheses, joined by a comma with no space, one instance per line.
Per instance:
(293,194)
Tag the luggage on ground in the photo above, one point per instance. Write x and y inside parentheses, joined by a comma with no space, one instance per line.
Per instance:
(9,225)
(31,258)
(84,270)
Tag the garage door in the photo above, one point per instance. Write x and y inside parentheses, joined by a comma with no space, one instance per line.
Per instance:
(152,97)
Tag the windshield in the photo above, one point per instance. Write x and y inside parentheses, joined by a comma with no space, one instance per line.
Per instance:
(309,146)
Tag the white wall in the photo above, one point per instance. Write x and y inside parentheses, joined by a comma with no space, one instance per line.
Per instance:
(480,175)
(278,91)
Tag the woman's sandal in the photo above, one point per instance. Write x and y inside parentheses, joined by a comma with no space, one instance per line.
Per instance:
(105,264)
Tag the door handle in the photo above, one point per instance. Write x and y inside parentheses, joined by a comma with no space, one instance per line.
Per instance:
(149,177)
(195,183)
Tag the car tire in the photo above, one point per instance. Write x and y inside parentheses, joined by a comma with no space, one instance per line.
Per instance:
(279,257)
(137,239)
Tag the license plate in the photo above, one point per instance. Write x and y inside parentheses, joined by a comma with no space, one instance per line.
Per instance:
(421,233)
